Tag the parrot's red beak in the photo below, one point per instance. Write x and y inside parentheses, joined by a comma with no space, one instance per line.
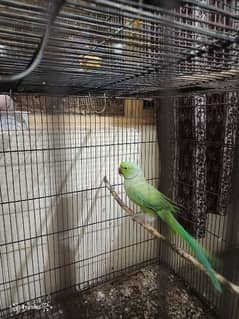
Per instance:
(119,171)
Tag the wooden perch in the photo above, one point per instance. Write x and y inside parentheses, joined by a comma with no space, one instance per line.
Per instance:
(158,235)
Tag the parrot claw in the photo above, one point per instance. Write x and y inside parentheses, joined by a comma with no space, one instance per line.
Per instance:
(139,217)
(146,219)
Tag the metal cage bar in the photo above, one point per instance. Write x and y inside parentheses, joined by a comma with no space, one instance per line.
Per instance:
(95,39)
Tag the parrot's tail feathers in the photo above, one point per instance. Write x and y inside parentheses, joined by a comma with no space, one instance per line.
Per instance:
(215,281)
(215,261)
(198,251)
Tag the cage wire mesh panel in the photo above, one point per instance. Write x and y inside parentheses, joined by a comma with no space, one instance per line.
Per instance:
(205,127)
(202,138)
(122,47)
(60,228)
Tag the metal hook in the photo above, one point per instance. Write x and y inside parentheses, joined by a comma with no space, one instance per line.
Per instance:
(104,106)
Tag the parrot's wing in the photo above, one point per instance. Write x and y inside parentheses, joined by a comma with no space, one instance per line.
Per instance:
(176,207)
(145,195)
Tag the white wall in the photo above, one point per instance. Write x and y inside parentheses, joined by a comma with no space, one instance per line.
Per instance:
(51,242)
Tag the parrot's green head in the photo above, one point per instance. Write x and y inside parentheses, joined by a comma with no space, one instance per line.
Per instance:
(129,170)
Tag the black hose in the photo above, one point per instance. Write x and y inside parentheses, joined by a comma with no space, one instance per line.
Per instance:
(39,54)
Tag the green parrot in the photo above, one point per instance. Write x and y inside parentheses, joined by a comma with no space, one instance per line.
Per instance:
(153,202)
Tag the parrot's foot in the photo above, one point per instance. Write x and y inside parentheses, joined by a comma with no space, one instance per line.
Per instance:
(147,219)
(139,217)
(150,218)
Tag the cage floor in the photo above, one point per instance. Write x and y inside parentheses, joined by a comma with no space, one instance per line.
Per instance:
(151,292)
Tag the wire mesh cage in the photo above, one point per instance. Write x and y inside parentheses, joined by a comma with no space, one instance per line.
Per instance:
(72,231)
(121,48)
(88,84)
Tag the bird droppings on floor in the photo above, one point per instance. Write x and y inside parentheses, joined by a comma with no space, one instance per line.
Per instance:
(152,292)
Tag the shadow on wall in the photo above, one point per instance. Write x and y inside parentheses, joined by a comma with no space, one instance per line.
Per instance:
(52,253)
(68,224)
